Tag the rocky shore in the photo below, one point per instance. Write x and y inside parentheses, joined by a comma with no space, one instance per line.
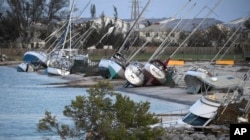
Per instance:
(212,132)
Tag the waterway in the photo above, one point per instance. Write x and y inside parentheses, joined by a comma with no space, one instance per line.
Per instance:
(24,97)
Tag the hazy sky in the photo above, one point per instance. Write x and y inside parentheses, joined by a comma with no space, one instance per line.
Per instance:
(227,10)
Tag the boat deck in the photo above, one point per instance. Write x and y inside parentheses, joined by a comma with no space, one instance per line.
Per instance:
(224,81)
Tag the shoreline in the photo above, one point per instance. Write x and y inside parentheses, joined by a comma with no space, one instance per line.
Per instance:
(176,94)
(9,63)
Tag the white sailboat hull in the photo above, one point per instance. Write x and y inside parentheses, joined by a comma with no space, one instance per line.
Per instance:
(156,75)
(116,70)
(59,66)
(103,67)
(134,74)
(57,71)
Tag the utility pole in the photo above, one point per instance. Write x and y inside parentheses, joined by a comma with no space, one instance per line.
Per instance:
(135,9)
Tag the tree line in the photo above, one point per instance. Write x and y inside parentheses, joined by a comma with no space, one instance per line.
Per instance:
(17,15)
(20,20)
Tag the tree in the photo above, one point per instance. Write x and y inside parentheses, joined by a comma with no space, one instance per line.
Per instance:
(216,34)
(55,9)
(148,23)
(104,114)
(37,10)
(16,16)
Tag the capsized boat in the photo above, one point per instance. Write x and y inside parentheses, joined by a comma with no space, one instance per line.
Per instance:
(228,95)
(155,71)
(62,71)
(134,74)
(134,70)
(103,67)
(204,110)
(211,109)
(117,63)
(152,73)
(199,81)
(36,58)
(60,59)
(116,66)
(61,62)
(192,80)
(25,67)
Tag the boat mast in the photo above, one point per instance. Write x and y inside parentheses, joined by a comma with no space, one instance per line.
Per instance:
(165,40)
(135,9)
(68,26)
(195,29)
(130,31)
(230,38)
(184,27)
(163,46)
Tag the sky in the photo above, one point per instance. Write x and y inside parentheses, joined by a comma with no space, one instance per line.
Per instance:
(227,10)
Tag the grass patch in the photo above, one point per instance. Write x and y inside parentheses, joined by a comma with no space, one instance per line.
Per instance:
(185,57)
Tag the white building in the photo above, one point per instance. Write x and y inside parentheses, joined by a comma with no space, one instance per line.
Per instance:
(161,30)
(122,25)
